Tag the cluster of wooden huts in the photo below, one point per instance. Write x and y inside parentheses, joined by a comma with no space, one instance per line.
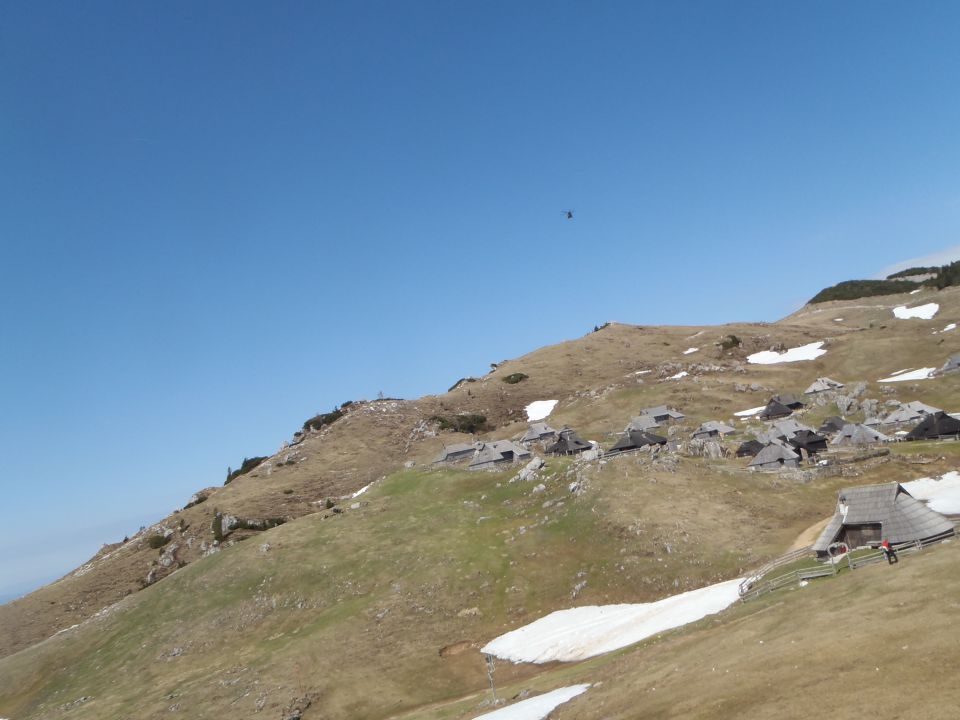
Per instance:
(785,442)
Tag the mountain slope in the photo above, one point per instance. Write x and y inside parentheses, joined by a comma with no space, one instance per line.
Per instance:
(332,604)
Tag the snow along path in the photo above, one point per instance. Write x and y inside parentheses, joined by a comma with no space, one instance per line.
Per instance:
(536,708)
(923,312)
(804,352)
(901,376)
(540,409)
(941,494)
(583,632)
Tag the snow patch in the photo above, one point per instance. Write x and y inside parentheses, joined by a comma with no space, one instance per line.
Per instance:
(682,373)
(948,328)
(914,292)
(941,494)
(750,412)
(690,350)
(804,352)
(838,319)
(902,376)
(923,312)
(536,708)
(583,632)
(540,409)
(362,490)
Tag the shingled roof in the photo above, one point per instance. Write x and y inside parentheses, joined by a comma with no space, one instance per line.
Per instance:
(642,422)
(832,424)
(774,456)
(822,384)
(498,452)
(935,426)
(538,432)
(712,428)
(569,443)
(774,409)
(902,518)
(661,413)
(456,451)
(852,434)
(636,439)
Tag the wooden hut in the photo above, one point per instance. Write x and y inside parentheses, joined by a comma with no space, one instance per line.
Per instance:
(869,514)
(568,443)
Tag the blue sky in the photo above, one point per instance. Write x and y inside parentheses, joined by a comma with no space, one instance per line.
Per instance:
(217,219)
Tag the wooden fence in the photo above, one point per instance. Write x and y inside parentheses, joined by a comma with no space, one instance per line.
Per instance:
(759,584)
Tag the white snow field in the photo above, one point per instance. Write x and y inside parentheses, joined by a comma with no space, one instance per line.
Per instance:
(539,409)
(690,350)
(941,494)
(750,412)
(923,312)
(804,352)
(536,708)
(901,376)
(583,632)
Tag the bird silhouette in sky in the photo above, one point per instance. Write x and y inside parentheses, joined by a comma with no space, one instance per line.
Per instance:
(568,213)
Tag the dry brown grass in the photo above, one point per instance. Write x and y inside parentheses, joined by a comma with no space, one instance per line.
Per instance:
(715,518)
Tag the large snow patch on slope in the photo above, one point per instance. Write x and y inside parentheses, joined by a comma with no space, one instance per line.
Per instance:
(539,409)
(924,312)
(580,633)
(538,707)
(804,352)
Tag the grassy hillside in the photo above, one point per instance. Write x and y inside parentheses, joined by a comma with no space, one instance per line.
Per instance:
(398,593)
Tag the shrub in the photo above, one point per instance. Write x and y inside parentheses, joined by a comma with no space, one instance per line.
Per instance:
(598,328)
(157,541)
(464,423)
(288,491)
(948,276)
(320,420)
(514,378)
(913,271)
(245,467)
(853,289)
(730,342)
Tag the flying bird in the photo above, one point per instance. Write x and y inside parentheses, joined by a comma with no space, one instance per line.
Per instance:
(568,213)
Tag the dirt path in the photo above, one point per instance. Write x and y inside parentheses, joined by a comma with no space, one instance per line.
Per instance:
(809,535)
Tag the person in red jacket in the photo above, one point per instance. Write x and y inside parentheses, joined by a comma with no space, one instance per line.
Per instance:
(889,552)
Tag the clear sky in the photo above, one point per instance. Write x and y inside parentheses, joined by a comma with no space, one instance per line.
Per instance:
(217,219)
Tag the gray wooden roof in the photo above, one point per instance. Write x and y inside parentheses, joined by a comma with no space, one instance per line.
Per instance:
(853,434)
(822,384)
(538,431)
(774,452)
(784,429)
(713,426)
(642,422)
(660,410)
(902,517)
(499,451)
(456,451)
